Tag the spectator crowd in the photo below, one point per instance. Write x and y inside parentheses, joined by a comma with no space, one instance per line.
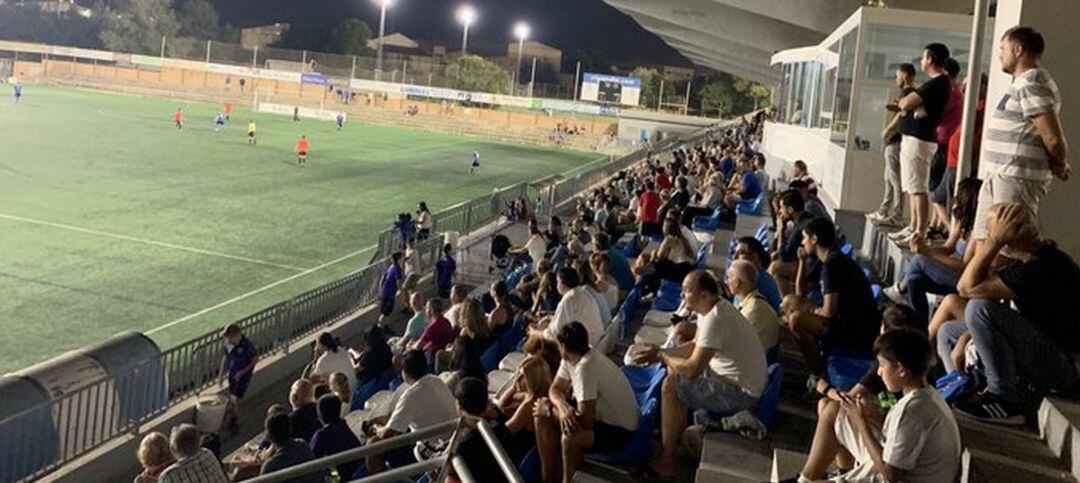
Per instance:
(981,307)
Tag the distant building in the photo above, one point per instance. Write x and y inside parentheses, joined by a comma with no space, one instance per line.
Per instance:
(263,35)
(672,73)
(533,49)
(397,43)
(58,7)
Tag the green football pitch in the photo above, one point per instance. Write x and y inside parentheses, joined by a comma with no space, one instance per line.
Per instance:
(111,219)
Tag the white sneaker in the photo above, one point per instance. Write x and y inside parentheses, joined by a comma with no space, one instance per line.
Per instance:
(902,234)
(907,239)
(893,294)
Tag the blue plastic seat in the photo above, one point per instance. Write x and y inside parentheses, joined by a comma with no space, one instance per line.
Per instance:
(702,256)
(639,450)
(646,381)
(772,356)
(762,235)
(848,249)
(508,342)
(706,223)
(668,297)
(751,207)
(530,466)
(765,410)
(629,308)
(845,368)
(490,358)
(631,249)
(515,276)
(365,391)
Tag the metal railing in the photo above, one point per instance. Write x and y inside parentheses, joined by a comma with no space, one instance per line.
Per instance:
(46,435)
(443,462)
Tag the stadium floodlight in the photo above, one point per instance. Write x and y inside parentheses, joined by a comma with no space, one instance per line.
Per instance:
(521,31)
(466,15)
(383,5)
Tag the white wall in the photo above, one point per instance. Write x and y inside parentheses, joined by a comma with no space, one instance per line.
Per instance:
(1056,20)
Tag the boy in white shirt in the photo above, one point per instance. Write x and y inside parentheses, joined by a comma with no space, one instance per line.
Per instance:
(920,442)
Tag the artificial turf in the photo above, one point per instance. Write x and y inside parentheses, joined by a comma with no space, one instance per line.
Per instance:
(111,219)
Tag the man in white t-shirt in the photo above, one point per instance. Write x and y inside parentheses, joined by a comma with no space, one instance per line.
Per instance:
(576,305)
(723,370)
(603,418)
(920,442)
(425,401)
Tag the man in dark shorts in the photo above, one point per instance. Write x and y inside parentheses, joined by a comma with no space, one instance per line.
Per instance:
(603,418)
(389,286)
(239,361)
(848,317)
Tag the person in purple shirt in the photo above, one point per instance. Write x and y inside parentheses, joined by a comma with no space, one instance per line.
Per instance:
(335,435)
(437,334)
(388,288)
(239,361)
(444,271)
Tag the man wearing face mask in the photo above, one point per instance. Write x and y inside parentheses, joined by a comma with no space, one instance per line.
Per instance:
(239,362)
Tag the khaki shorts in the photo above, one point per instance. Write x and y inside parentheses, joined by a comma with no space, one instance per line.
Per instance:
(999,188)
(915,156)
(849,438)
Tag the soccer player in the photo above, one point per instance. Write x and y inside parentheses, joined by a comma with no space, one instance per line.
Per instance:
(251,132)
(178,118)
(301,150)
(475,163)
(219,122)
(228,110)
(18,91)
(340,121)
(296,114)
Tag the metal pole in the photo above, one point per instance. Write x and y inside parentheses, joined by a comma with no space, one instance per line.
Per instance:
(660,98)
(162,47)
(686,105)
(505,463)
(352,72)
(303,61)
(577,75)
(971,96)
(208,51)
(255,58)
(465,41)
(382,33)
(517,66)
(404,70)
(532,78)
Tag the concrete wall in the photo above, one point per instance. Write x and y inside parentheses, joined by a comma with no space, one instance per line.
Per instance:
(1056,20)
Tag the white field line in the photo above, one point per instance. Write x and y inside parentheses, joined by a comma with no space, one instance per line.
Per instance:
(149,242)
(256,291)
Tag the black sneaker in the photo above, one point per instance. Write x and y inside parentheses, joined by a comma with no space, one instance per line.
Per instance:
(991,408)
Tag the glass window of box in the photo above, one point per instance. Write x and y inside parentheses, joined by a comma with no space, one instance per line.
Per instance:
(845,73)
(889,45)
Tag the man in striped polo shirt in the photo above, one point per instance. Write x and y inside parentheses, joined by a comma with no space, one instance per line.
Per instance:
(1025,144)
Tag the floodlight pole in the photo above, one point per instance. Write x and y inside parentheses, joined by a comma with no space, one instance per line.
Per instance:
(162,47)
(465,40)
(532,78)
(382,33)
(255,58)
(577,75)
(208,51)
(517,65)
(660,98)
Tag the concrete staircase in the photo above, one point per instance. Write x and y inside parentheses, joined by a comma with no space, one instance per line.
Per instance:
(1047,450)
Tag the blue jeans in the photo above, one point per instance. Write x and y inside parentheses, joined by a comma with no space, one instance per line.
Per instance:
(927,276)
(947,336)
(1012,350)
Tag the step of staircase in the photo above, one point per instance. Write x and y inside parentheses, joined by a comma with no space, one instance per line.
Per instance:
(1059,426)
(994,453)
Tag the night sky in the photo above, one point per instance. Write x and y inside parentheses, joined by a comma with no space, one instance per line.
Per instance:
(571,25)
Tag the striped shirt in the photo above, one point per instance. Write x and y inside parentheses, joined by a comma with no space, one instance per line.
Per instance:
(201,468)
(1012,145)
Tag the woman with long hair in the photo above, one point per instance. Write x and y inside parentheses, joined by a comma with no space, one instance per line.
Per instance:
(330,357)
(154,456)
(936,270)
(605,283)
(502,316)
